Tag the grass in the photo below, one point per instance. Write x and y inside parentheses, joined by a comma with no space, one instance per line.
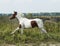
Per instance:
(32,35)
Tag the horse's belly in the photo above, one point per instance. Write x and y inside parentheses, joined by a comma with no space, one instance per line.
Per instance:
(27,24)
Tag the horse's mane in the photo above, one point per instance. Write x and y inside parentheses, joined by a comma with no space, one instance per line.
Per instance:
(20,14)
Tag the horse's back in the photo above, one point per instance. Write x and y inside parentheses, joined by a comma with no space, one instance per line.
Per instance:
(37,20)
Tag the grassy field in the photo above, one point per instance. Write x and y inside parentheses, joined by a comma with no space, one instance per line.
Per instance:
(32,35)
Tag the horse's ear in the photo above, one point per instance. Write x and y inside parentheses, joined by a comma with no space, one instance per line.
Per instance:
(15,12)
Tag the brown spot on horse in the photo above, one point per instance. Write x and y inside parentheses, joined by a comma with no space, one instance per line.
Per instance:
(34,24)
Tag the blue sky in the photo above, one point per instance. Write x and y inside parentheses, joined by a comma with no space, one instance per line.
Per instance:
(26,6)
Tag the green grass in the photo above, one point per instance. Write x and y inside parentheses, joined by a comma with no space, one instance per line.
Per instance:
(31,35)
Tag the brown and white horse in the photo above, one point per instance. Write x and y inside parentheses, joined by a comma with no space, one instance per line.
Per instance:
(27,23)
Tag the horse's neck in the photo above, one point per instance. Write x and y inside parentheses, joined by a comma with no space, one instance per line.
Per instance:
(21,19)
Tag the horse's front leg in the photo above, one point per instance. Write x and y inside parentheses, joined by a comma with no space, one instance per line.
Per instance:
(21,26)
(15,30)
(21,30)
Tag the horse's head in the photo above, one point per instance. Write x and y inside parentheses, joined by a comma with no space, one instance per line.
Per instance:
(14,15)
(17,15)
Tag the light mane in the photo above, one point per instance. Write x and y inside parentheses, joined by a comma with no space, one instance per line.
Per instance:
(20,15)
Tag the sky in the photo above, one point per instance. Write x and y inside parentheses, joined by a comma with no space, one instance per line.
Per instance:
(29,6)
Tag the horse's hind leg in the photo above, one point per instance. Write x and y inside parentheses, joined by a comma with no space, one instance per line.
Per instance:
(41,26)
(43,30)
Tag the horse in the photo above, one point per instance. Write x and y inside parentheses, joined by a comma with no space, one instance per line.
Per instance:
(27,23)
